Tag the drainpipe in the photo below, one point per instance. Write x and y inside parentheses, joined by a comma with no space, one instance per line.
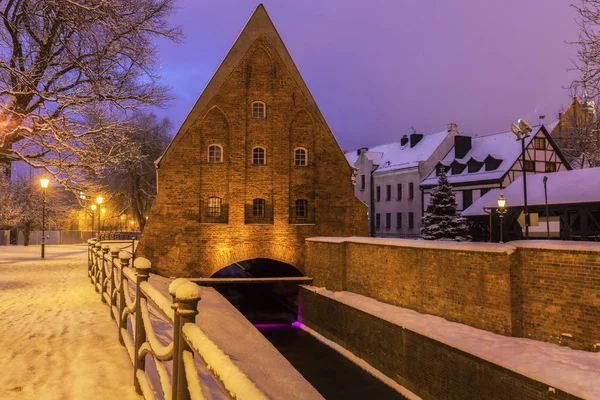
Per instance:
(372,204)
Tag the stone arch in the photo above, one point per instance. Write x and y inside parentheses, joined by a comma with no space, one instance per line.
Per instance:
(227,255)
(261,69)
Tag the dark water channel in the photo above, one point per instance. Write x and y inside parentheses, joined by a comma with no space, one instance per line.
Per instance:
(272,309)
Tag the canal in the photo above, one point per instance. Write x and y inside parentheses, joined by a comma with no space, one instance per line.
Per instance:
(272,308)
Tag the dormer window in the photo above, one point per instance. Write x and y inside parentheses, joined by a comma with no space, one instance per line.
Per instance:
(259,110)
(474,165)
(492,163)
(457,168)
(439,168)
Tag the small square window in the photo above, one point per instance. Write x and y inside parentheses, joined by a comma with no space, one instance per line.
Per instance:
(258,156)
(550,167)
(539,143)
(215,154)
(529,166)
(214,206)
(301,209)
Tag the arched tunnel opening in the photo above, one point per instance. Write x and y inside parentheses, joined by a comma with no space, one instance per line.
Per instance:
(263,304)
(273,309)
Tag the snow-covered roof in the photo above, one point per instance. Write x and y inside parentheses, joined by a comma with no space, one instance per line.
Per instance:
(394,156)
(550,127)
(502,146)
(564,187)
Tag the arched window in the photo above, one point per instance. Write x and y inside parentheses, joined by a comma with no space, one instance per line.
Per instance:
(301,209)
(259,110)
(215,153)
(259,208)
(214,206)
(300,157)
(259,156)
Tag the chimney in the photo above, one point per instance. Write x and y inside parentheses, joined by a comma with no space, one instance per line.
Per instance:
(415,138)
(452,127)
(404,140)
(462,145)
(362,150)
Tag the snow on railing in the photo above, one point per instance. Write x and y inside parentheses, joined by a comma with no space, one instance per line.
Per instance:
(115,280)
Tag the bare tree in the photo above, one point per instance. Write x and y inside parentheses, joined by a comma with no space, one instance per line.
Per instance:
(71,71)
(133,183)
(9,206)
(578,134)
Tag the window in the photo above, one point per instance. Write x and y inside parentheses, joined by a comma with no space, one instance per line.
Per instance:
(398,221)
(301,209)
(388,221)
(411,191)
(300,159)
(457,168)
(388,192)
(215,153)
(377,221)
(258,110)
(483,191)
(362,182)
(258,156)
(474,166)
(529,166)
(539,143)
(467,198)
(214,206)
(258,208)
(399,190)
(550,167)
(411,220)
(378,193)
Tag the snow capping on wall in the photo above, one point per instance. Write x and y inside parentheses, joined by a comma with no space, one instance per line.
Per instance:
(573,371)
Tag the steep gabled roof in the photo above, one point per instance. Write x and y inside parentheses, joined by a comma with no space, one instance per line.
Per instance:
(258,26)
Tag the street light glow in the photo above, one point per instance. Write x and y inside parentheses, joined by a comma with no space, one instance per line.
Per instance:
(103,210)
(94,207)
(99,200)
(501,201)
(44,182)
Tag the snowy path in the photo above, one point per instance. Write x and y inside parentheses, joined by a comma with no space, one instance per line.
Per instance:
(57,338)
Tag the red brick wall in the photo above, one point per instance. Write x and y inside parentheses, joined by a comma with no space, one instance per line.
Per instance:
(509,289)
(181,243)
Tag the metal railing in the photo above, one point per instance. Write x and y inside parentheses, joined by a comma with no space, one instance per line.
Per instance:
(127,291)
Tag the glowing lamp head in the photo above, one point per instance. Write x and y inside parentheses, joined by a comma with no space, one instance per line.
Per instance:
(94,207)
(131,222)
(502,202)
(44,182)
(99,200)
(103,210)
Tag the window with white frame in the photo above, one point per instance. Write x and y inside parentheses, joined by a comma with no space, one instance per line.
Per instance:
(300,157)
(215,153)
(214,206)
(259,208)
(301,209)
(258,156)
(259,110)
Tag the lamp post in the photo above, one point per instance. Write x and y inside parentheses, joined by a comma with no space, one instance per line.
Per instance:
(545,180)
(103,210)
(99,200)
(522,132)
(93,215)
(501,210)
(44,183)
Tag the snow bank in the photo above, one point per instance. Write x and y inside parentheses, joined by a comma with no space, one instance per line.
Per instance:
(573,371)
(422,244)
(187,291)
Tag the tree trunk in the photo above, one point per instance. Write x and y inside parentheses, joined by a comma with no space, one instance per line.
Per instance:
(26,233)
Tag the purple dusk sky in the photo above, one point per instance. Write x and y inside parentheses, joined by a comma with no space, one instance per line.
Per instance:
(378,67)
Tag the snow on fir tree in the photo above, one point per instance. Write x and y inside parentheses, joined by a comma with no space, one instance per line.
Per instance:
(441,221)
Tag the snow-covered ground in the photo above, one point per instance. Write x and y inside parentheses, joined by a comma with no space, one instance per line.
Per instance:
(57,338)
(574,371)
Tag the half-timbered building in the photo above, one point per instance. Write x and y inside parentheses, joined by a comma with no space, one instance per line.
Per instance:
(477,164)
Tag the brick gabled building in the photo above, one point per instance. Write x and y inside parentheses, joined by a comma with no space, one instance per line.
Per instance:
(254,169)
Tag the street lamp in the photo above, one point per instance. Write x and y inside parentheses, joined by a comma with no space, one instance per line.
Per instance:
(103,210)
(44,183)
(99,200)
(522,132)
(93,215)
(131,223)
(501,210)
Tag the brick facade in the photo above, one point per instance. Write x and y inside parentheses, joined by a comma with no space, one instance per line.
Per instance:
(512,289)
(428,368)
(181,238)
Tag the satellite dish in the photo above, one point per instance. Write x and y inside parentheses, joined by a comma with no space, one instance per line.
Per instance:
(517,131)
(525,127)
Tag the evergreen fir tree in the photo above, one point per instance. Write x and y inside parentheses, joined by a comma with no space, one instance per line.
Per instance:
(441,221)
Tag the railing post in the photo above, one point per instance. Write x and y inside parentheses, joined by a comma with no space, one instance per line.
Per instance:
(124,258)
(105,250)
(114,254)
(176,327)
(142,272)
(97,249)
(187,295)
(91,244)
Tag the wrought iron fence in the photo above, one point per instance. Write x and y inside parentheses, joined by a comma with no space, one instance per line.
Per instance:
(127,291)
